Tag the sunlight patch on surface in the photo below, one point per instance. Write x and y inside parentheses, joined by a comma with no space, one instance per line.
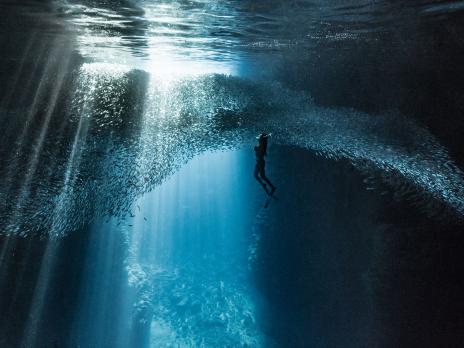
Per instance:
(167,39)
(168,67)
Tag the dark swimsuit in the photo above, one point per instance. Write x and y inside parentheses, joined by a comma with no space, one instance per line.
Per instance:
(260,163)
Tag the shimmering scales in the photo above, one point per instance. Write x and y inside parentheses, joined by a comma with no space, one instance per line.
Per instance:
(126,131)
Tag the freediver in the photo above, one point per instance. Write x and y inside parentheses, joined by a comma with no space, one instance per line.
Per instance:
(260,152)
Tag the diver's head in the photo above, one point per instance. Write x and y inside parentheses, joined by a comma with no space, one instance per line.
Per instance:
(262,137)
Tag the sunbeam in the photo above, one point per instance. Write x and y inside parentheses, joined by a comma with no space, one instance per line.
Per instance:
(36,310)
(19,71)
(17,152)
(39,142)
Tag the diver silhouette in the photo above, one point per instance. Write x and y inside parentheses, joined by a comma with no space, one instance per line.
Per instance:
(260,152)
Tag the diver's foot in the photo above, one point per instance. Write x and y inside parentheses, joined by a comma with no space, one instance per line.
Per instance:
(273,188)
(265,189)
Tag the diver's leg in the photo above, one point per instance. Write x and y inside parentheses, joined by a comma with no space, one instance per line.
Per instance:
(257,170)
(262,173)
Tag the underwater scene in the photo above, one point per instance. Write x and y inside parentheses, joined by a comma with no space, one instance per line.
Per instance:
(231,173)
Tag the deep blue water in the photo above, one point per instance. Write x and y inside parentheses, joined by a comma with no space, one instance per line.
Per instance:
(129,214)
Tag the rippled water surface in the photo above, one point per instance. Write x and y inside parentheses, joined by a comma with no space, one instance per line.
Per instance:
(156,32)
